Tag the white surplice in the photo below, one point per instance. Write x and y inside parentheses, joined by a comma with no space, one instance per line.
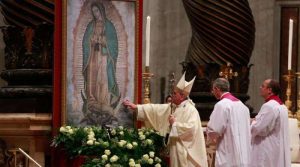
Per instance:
(270,136)
(230,120)
(186,139)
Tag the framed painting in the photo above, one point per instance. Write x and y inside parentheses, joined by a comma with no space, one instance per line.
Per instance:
(101,61)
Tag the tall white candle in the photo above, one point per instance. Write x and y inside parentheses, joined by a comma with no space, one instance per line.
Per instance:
(290,45)
(148,41)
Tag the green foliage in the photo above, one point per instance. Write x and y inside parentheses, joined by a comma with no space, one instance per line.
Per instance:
(112,147)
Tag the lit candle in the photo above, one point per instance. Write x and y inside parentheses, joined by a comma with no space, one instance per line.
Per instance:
(290,45)
(148,40)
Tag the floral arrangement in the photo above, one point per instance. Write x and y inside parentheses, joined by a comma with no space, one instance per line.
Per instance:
(115,147)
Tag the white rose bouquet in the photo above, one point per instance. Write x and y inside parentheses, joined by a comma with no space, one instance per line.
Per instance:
(112,147)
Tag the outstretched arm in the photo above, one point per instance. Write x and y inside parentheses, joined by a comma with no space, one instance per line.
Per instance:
(129,104)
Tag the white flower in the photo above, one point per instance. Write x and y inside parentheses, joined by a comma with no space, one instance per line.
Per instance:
(157,159)
(107,165)
(157,165)
(129,146)
(121,133)
(62,129)
(149,141)
(137,165)
(142,137)
(145,157)
(141,133)
(113,132)
(114,158)
(131,163)
(97,143)
(90,142)
(104,157)
(121,143)
(107,152)
(68,127)
(134,144)
(150,161)
(121,127)
(91,135)
(70,131)
(91,138)
(151,153)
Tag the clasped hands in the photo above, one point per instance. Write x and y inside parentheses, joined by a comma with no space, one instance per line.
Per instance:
(172,119)
(212,137)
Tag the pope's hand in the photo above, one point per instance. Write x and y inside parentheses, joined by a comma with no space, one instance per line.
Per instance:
(253,121)
(172,119)
(129,104)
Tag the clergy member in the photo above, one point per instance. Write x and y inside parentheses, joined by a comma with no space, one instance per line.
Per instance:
(269,130)
(229,128)
(182,121)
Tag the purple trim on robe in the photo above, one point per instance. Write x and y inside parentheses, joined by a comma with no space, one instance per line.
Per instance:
(274,97)
(229,96)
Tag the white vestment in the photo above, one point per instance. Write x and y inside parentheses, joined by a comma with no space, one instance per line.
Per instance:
(186,139)
(270,136)
(230,120)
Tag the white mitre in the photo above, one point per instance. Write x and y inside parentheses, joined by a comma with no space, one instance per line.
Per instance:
(184,85)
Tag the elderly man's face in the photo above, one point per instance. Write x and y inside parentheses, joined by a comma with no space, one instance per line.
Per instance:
(177,97)
(216,92)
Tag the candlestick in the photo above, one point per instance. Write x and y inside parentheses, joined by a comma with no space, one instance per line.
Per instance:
(148,40)
(298,102)
(147,89)
(289,78)
(290,45)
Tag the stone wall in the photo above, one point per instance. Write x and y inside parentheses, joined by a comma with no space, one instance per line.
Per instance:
(263,55)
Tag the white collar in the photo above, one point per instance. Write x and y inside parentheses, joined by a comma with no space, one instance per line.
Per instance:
(182,104)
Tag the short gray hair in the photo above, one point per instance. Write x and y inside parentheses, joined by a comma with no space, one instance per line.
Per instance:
(222,84)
